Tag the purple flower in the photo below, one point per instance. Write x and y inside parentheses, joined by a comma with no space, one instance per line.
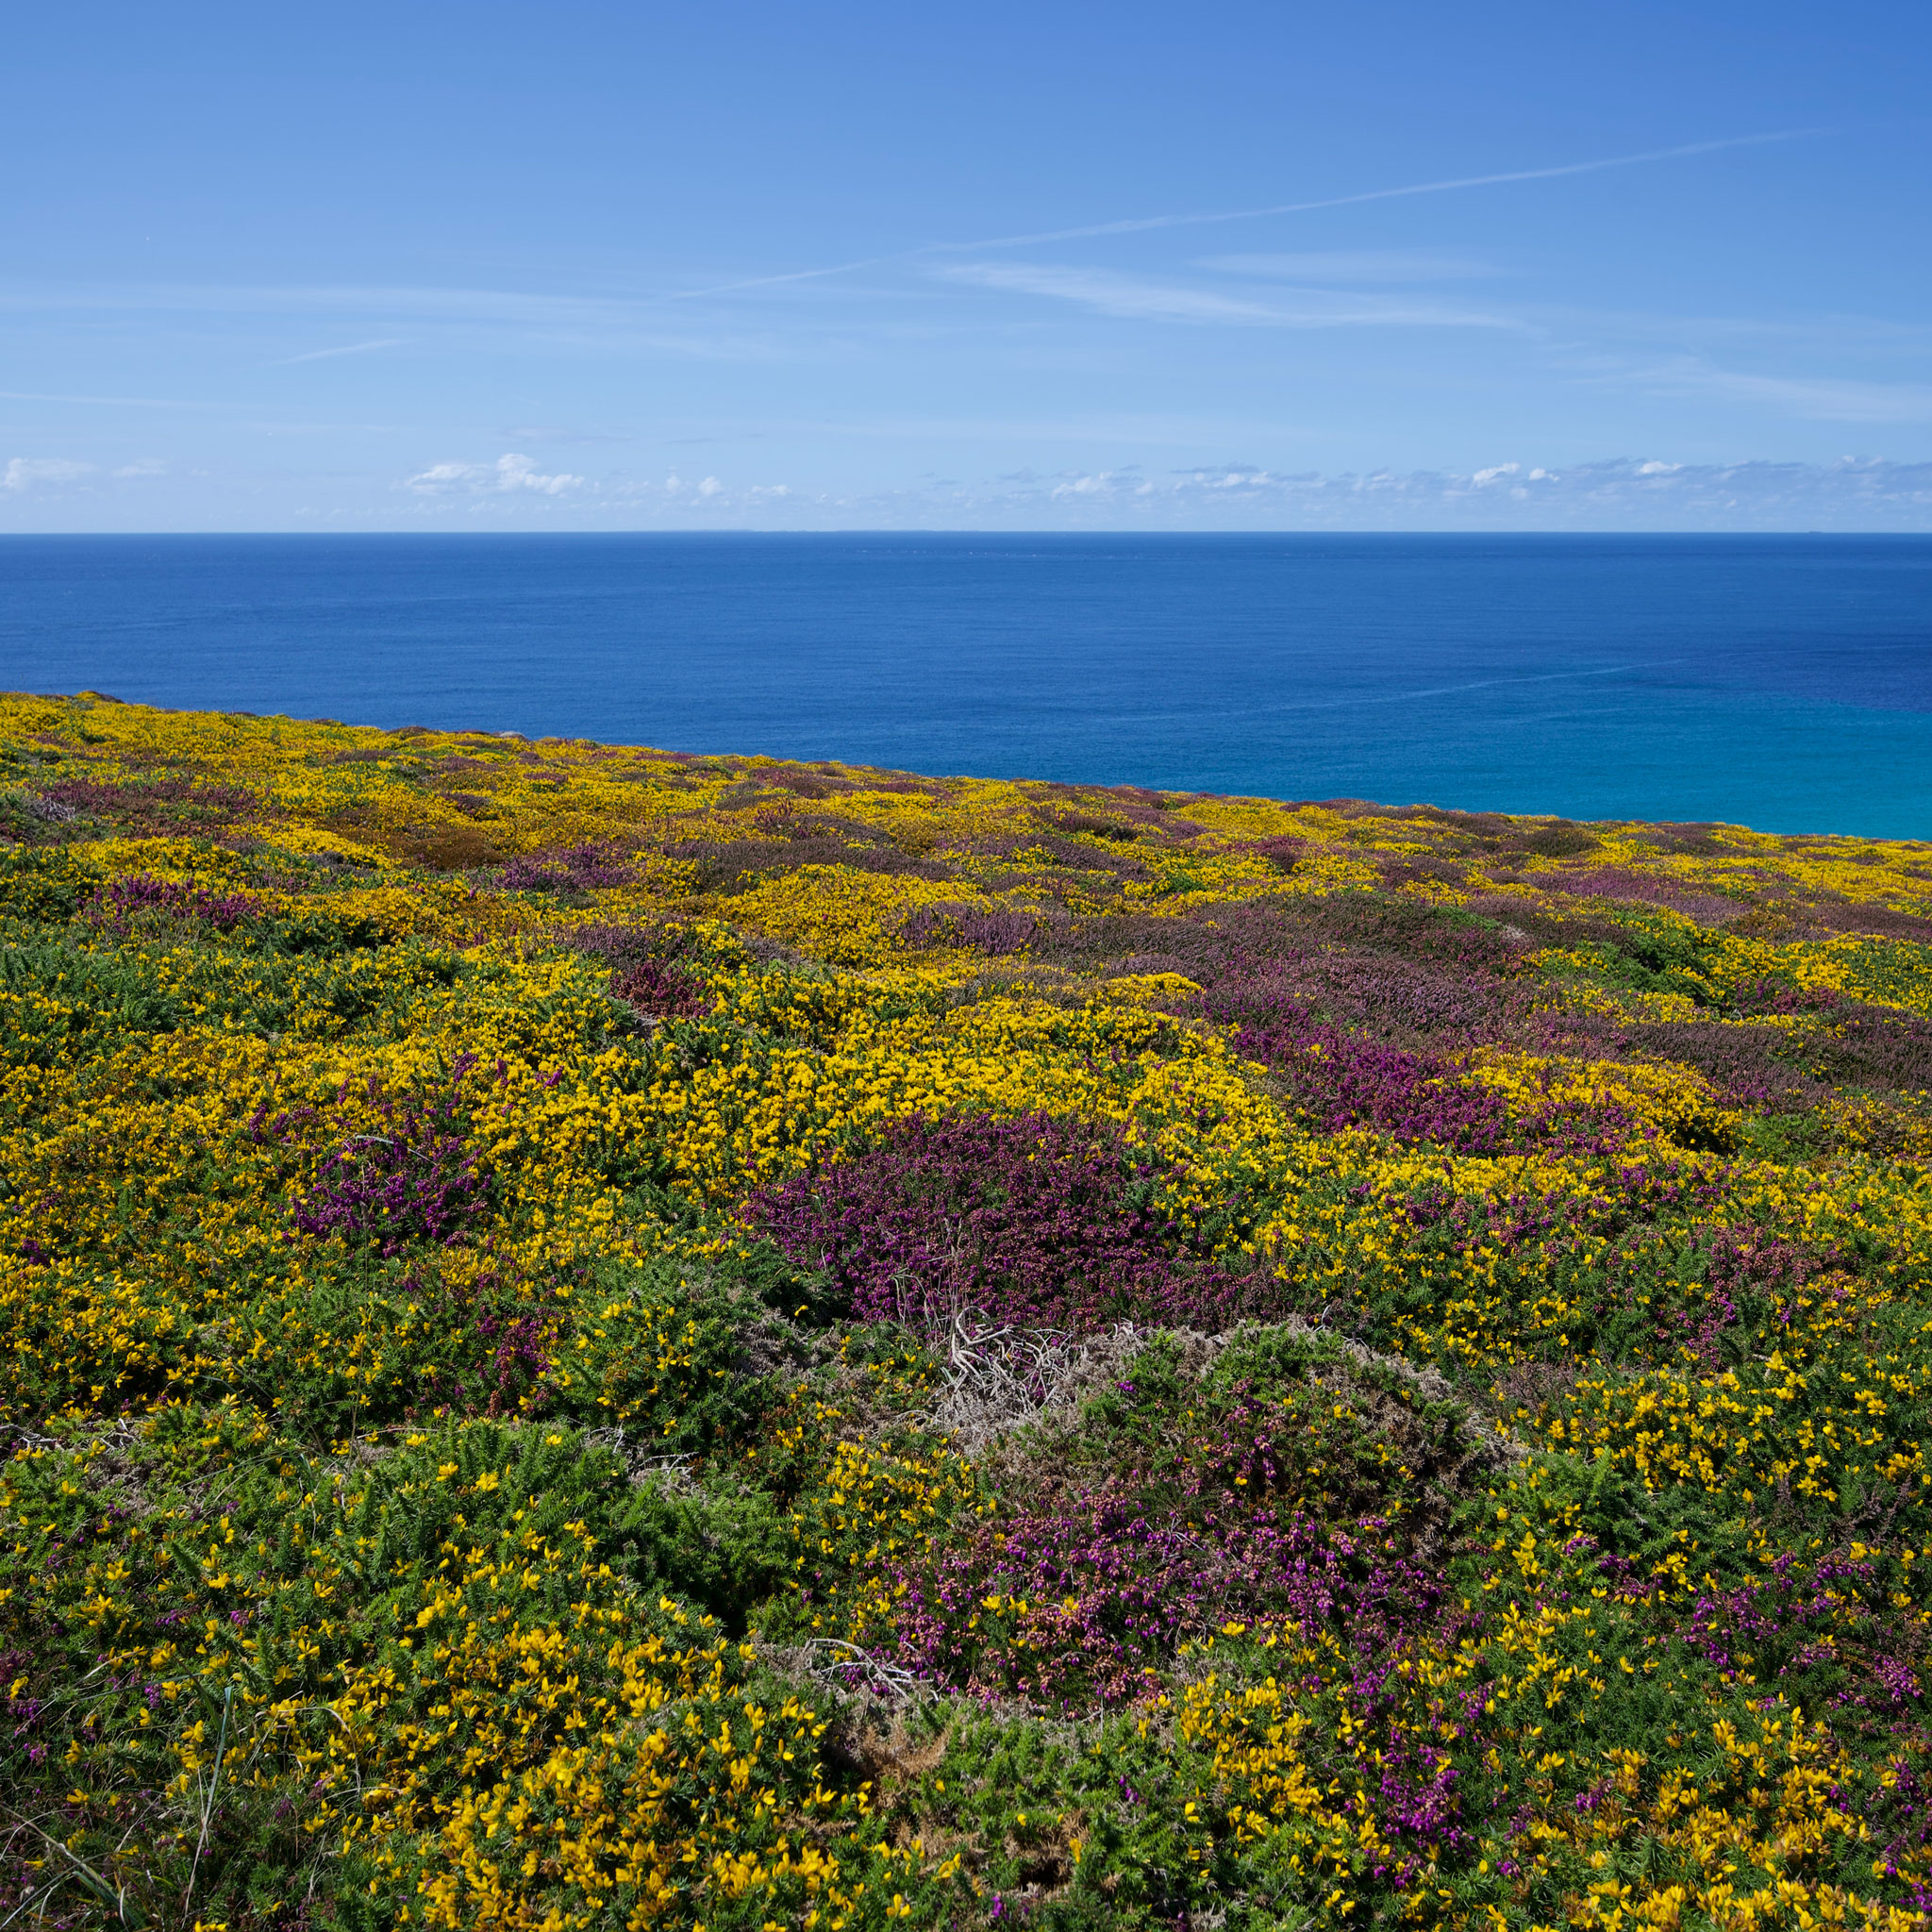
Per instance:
(1033,1220)
(120,902)
(660,990)
(1345,1080)
(996,932)
(577,868)
(416,1180)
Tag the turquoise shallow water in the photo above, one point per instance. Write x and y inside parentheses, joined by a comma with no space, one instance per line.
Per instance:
(1784,682)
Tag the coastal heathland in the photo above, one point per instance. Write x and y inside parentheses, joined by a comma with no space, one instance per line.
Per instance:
(598,1337)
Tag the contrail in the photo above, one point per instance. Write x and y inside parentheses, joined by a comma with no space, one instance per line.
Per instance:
(347,349)
(1298,208)
(27,395)
(1136,224)
(801,275)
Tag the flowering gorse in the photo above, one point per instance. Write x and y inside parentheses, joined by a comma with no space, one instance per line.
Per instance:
(604,1338)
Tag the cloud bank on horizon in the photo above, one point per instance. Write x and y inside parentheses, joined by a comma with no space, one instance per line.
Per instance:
(257,282)
(1852,494)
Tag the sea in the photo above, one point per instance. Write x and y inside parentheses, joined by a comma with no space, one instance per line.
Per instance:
(1783,682)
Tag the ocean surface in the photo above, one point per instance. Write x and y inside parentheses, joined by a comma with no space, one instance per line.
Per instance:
(1783,682)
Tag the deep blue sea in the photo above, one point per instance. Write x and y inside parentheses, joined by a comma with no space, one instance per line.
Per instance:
(1784,682)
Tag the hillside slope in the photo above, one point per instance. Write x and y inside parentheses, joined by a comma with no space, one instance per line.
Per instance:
(604,1339)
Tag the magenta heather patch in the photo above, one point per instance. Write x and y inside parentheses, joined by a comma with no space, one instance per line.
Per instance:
(1205,1507)
(88,795)
(417,1180)
(1764,996)
(101,796)
(1342,1080)
(1034,1220)
(1405,997)
(1617,882)
(1087,1596)
(660,989)
(118,904)
(575,868)
(1284,853)
(996,932)
(652,968)
(1083,1599)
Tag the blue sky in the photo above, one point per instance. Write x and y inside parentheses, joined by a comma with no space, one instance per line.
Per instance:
(430,266)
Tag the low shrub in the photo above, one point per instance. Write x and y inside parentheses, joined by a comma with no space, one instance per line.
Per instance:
(1031,1220)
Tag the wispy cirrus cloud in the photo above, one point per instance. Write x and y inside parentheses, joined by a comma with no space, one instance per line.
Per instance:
(1137,298)
(1130,297)
(616,322)
(1133,225)
(1345,266)
(29,395)
(1819,399)
(558,432)
(317,298)
(1140,223)
(632,322)
(347,349)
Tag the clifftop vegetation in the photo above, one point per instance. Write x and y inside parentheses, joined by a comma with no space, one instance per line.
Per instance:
(604,1339)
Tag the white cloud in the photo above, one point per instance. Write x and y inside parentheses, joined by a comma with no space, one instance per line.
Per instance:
(506,476)
(26,472)
(1129,486)
(1134,299)
(1620,493)
(30,475)
(1352,265)
(1112,294)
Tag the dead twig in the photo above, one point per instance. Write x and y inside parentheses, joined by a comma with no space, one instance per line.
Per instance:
(864,1673)
(1000,1376)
